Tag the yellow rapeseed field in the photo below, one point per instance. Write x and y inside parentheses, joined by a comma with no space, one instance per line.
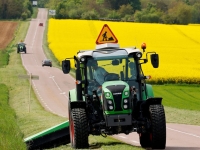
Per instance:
(178,46)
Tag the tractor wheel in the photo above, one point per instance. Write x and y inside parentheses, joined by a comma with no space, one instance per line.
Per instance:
(158,127)
(78,128)
(145,140)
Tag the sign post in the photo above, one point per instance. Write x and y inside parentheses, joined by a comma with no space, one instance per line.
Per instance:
(30,77)
(52,12)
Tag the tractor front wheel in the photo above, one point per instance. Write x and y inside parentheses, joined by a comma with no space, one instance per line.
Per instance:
(78,128)
(158,127)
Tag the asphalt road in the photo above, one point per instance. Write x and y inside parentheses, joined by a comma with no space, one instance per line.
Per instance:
(53,86)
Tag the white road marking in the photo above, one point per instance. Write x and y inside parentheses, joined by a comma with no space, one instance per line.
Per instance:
(183,132)
(52,77)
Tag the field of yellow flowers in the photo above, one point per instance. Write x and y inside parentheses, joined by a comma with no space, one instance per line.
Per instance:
(178,46)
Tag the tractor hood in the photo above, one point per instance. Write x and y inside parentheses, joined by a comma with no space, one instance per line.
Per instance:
(115,88)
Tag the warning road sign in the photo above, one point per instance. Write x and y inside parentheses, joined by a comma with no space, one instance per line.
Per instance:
(106,36)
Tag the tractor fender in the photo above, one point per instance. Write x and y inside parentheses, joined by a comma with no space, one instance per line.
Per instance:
(73,102)
(149,90)
(144,105)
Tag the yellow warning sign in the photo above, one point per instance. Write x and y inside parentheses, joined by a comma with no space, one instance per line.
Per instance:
(106,36)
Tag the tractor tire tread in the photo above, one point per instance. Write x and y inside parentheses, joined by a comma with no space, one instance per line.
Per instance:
(80,127)
(158,126)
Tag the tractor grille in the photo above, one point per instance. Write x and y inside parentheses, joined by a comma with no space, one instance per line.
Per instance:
(117,91)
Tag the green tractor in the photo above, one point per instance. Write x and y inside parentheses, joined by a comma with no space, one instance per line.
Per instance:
(21,47)
(123,103)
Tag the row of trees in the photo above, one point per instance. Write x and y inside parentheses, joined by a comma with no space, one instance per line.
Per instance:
(15,9)
(150,11)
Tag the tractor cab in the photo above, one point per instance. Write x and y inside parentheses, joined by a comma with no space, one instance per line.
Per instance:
(121,65)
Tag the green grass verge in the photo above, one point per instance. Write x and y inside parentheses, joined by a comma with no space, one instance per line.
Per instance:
(4,58)
(182,102)
(35,12)
(179,96)
(10,135)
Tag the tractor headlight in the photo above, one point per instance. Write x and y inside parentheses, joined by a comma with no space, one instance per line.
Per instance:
(125,106)
(125,101)
(110,102)
(82,59)
(110,107)
(139,55)
(107,95)
(126,93)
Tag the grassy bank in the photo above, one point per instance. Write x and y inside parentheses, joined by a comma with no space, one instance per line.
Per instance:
(181,102)
(10,135)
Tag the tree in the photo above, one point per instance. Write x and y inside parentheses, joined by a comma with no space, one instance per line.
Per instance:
(136,4)
(184,13)
(61,11)
(125,10)
(161,5)
(195,13)
(94,6)
(150,14)
(13,9)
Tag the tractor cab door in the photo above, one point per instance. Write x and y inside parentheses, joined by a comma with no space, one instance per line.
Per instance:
(133,74)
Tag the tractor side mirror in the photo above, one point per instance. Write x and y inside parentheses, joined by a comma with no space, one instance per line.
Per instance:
(155,60)
(66,66)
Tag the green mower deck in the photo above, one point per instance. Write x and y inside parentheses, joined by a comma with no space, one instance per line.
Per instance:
(52,137)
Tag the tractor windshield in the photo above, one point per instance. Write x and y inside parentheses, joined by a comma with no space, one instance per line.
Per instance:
(21,44)
(112,68)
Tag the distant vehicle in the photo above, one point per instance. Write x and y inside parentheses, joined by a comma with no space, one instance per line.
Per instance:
(21,47)
(46,62)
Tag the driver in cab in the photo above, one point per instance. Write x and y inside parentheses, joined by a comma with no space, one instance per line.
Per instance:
(99,72)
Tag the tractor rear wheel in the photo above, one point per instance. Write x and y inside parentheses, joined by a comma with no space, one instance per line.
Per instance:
(158,127)
(78,128)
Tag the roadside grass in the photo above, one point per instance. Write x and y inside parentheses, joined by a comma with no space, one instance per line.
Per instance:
(29,122)
(10,135)
(179,96)
(38,119)
(35,12)
(4,58)
(181,101)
